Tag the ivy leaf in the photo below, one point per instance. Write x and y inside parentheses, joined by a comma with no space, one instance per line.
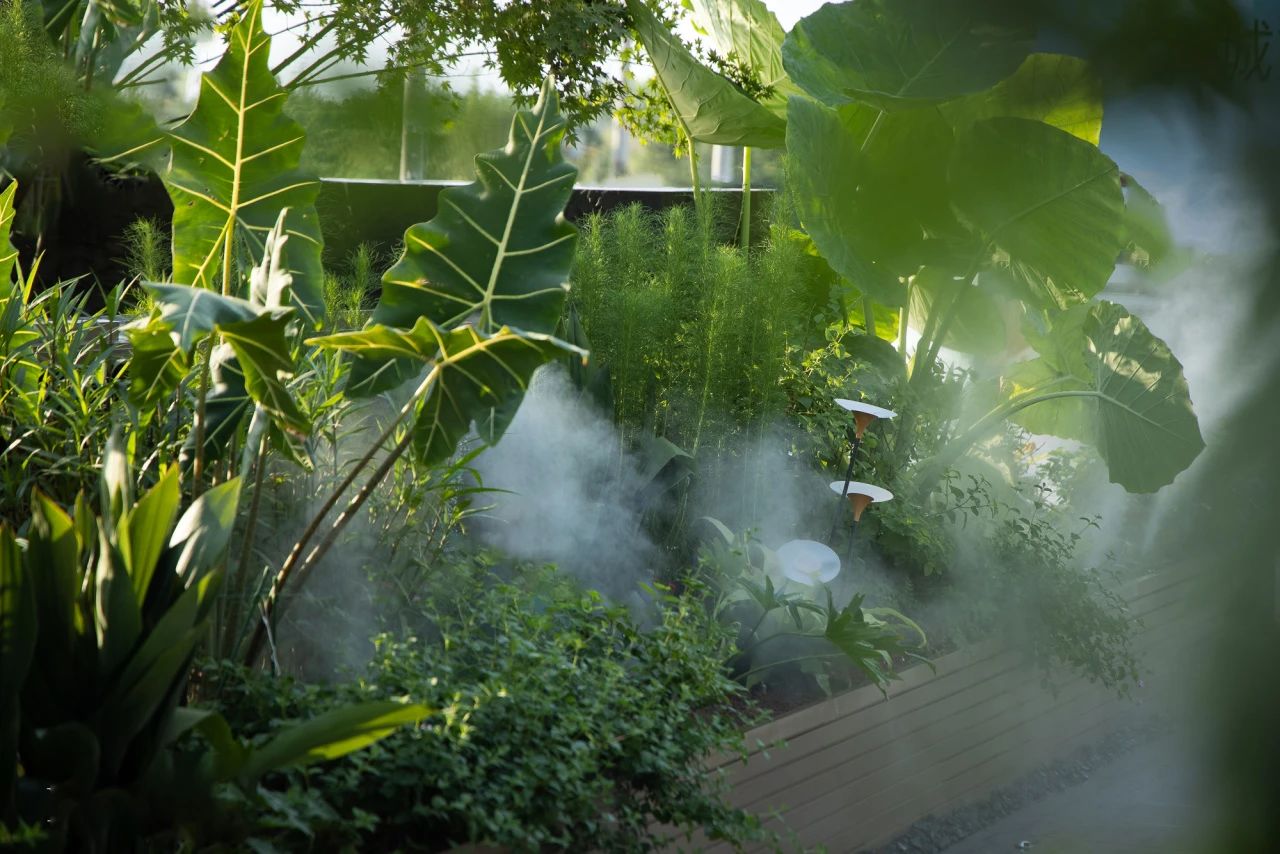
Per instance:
(902,53)
(498,251)
(262,350)
(712,109)
(471,373)
(235,167)
(1048,200)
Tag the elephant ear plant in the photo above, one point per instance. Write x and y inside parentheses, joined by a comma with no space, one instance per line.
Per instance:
(100,615)
(954,177)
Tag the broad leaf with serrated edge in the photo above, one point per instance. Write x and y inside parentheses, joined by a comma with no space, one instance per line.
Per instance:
(1048,200)
(499,250)
(709,106)
(235,167)
(471,374)
(901,53)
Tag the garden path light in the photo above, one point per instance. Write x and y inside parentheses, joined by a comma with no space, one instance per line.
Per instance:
(808,562)
(863,415)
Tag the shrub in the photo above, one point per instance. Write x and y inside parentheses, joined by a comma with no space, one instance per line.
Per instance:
(561,723)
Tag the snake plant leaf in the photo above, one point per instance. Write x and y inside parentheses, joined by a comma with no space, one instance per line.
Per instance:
(710,107)
(978,326)
(870,188)
(265,360)
(330,735)
(8,254)
(901,53)
(1048,200)
(1134,407)
(499,249)
(234,167)
(17,646)
(747,31)
(1053,88)
(471,374)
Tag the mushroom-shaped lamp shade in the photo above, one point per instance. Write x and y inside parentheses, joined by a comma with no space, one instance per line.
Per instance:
(860,495)
(863,414)
(808,562)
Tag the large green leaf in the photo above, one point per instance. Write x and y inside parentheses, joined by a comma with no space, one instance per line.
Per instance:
(149,522)
(747,31)
(1052,88)
(499,249)
(263,354)
(901,52)
(1134,406)
(1148,240)
(193,312)
(1048,200)
(870,188)
(978,325)
(8,255)
(235,167)
(472,374)
(711,108)
(330,735)
(200,538)
(156,366)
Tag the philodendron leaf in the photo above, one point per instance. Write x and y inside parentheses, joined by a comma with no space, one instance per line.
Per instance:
(8,255)
(870,187)
(263,355)
(747,31)
(1048,200)
(156,366)
(499,250)
(1134,406)
(1053,88)
(710,107)
(471,374)
(901,53)
(235,167)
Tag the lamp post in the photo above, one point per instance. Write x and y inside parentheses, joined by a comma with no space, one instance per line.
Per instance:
(863,415)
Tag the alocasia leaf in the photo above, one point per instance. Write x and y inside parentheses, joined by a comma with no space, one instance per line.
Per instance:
(1134,404)
(977,326)
(1048,200)
(893,54)
(747,31)
(235,167)
(709,106)
(499,250)
(471,373)
(263,354)
(1052,88)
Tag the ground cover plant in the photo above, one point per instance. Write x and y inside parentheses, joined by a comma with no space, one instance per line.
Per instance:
(306,443)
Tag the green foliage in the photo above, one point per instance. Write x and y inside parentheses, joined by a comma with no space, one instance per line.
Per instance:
(234,172)
(562,724)
(499,247)
(745,32)
(708,107)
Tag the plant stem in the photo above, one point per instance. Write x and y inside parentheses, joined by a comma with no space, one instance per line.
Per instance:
(744,227)
(869,316)
(202,394)
(246,551)
(753,671)
(904,318)
(291,562)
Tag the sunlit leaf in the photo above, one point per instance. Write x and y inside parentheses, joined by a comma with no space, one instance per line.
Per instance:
(264,357)
(977,327)
(8,254)
(901,53)
(747,31)
(1052,88)
(498,251)
(712,108)
(235,167)
(156,366)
